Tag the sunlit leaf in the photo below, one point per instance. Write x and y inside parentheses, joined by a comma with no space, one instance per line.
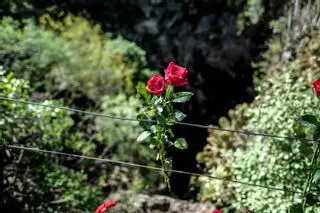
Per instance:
(181,143)
(179,116)
(309,121)
(182,97)
(143,136)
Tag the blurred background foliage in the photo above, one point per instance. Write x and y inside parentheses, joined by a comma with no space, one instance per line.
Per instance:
(250,65)
(74,61)
(71,56)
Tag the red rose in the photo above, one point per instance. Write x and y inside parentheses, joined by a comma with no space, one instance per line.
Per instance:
(316,87)
(175,75)
(156,85)
(216,211)
(105,206)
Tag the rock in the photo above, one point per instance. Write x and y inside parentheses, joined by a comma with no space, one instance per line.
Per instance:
(129,202)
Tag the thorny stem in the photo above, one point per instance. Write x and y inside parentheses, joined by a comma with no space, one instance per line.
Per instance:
(309,180)
(162,158)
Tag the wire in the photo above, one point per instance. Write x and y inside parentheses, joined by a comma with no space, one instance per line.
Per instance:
(31,149)
(155,121)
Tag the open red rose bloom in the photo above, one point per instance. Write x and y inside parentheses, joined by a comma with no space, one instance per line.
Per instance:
(156,85)
(105,206)
(175,75)
(316,87)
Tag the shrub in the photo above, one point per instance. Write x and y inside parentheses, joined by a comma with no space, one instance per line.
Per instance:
(70,55)
(275,162)
(216,157)
(285,94)
(27,176)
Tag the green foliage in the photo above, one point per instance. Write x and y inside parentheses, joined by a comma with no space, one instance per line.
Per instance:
(27,177)
(276,162)
(119,140)
(70,55)
(13,6)
(299,23)
(120,136)
(285,95)
(216,156)
(251,15)
(74,59)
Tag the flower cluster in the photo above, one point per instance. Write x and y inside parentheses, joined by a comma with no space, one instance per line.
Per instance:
(159,97)
(105,206)
(175,76)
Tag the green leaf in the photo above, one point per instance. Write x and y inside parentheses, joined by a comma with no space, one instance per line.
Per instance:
(143,136)
(316,134)
(178,116)
(152,146)
(181,143)
(182,97)
(316,177)
(141,89)
(153,128)
(296,208)
(309,121)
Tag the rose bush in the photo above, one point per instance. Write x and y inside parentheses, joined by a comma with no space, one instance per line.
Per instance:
(158,107)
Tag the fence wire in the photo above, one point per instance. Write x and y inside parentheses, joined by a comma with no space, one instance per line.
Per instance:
(155,121)
(158,169)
